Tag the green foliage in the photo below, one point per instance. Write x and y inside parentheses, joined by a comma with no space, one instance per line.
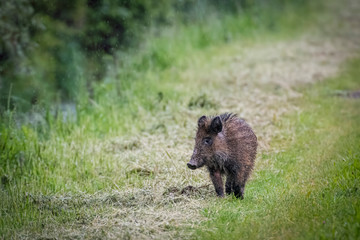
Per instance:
(53,50)
(16,24)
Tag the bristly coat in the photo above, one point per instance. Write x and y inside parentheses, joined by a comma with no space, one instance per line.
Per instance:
(225,144)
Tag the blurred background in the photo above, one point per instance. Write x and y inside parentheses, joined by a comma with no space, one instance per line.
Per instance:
(72,51)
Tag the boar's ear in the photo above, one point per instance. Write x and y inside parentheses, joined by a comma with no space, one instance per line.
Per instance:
(216,125)
(201,121)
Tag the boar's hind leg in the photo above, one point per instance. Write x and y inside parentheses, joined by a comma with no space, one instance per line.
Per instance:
(217,181)
(239,189)
(229,184)
(239,185)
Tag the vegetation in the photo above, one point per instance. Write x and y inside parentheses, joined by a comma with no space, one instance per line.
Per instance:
(311,188)
(101,149)
(53,50)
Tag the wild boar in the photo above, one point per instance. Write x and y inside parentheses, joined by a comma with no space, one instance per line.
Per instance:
(225,144)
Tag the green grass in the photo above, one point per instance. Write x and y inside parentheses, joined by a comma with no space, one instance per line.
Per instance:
(139,76)
(310,189)
(117,170)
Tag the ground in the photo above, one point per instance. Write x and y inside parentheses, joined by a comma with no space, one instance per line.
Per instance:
(267,83)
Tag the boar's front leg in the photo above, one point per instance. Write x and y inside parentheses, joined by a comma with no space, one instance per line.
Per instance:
(217,181)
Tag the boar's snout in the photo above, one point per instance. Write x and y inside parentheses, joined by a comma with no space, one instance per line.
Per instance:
(191,165)
(195,161)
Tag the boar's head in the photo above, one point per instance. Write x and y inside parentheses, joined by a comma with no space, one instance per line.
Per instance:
(209,141)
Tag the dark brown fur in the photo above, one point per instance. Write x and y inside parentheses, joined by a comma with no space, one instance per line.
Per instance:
(226,145)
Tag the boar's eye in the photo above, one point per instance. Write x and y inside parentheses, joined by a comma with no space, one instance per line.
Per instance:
(207,141)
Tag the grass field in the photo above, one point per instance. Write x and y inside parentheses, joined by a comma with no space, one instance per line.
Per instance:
(309,188)
(118,170)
